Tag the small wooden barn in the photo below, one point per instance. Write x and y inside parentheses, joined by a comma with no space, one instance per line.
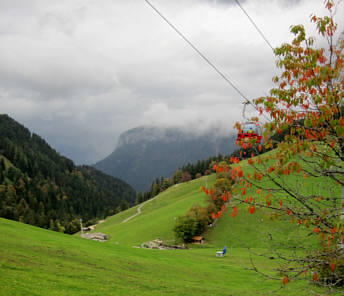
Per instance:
(198,239)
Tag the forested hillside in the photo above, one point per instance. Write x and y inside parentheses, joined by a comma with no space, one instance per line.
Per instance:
(40,187)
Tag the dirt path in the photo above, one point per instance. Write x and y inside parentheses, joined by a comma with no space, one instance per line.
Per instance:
(138,210)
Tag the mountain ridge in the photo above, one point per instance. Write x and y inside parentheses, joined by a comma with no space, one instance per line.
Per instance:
(145,153)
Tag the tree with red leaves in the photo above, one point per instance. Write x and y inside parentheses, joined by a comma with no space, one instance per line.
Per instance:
(307,107)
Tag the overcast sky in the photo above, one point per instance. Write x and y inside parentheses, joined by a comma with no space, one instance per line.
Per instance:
(81,72)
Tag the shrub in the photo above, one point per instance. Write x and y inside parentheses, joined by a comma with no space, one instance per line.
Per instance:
(185,228)
(331,269)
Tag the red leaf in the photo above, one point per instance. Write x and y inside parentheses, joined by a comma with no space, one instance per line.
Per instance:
(316,230)
(285,280)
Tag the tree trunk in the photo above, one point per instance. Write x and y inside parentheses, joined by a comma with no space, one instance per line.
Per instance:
(342,216)
(342,205)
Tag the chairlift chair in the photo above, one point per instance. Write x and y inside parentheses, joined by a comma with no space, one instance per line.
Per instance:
(222,253)
(250,130)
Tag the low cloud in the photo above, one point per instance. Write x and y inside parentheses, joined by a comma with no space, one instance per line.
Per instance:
(80,73)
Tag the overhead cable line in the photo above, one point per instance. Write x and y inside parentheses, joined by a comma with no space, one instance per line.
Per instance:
(200,53)
(254,24)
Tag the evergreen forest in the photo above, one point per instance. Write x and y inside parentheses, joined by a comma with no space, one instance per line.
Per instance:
(40,187)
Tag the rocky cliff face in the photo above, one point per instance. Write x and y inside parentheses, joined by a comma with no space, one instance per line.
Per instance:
(145,153)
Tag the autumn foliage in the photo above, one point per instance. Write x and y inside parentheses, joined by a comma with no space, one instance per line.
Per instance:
(217,198)
(306,107)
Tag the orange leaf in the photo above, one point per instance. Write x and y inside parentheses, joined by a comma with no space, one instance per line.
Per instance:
(316,229)
(285,280)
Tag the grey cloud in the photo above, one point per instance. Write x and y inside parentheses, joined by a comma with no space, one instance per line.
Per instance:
(81,72)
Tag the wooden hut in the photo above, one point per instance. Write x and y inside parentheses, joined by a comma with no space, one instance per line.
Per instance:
(197,239)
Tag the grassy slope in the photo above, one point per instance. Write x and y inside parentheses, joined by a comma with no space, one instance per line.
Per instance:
(35,261)
(157,217)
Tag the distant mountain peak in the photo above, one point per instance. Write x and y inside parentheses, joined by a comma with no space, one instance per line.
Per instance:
(151,134)
(145,153)
(148,133)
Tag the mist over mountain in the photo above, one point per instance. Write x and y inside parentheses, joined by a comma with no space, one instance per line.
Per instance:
(145,153)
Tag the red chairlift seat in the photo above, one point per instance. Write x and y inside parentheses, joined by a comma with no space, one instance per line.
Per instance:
(250,131)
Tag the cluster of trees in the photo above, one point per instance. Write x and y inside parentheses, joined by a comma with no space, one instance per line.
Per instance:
(190,172)
(196,220)
(158,185)
(204,167)
(200,168)
(183,174)
(42,188)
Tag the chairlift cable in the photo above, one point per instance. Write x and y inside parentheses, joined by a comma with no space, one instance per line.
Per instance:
(210,63)
(200,53)
(254,24)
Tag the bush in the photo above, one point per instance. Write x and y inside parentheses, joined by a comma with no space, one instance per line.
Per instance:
(331,269)
(185,228)
(198,175)
(194,222)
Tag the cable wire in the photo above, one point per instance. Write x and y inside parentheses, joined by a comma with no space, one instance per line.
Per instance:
(254,24)
(200,53)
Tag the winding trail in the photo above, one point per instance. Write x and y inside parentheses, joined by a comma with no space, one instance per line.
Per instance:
(139,210)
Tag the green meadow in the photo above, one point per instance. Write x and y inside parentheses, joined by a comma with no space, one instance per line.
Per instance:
(35,261)
(157,217)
